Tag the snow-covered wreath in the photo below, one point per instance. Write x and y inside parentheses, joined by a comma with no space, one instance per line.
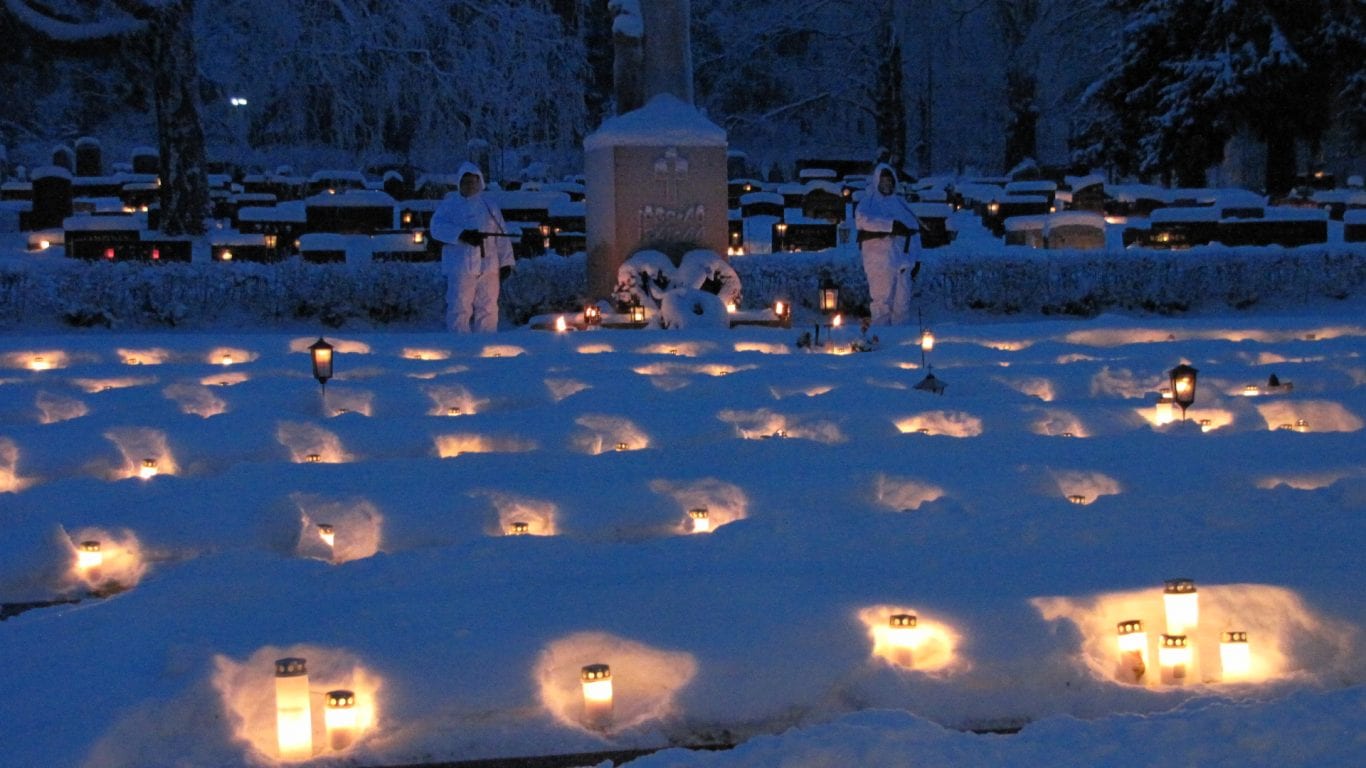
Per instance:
(692,295)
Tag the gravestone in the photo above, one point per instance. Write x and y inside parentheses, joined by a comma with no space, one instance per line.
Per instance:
(51,197)
(88,161)
(64,157)
(656,173)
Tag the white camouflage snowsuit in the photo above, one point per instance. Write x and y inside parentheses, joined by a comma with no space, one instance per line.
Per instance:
(472,279)
(887,257)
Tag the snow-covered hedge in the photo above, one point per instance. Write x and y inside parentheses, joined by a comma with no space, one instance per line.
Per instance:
(55,292)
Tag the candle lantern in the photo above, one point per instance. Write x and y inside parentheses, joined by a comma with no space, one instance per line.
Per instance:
(453,410)
(39,363)
(148,469)
(829,295)
(519,529)
(328,534)
(313,458)
(1301,425)
(1077,498)
(622,446)
(1182,605)
(226,359)
(419,237)
(1235,657)
(597,695)
(1163,410)
(592,316)
(783,311)
(1133,651)
(901,635)
(701,519)
(1175,658)
(561,325)
(88,555)
(637,313)
(926,340)
(293,717)
(1183,386)
(322,360)
(340,719)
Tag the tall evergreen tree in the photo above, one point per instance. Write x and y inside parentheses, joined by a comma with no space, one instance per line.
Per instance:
(1191,73)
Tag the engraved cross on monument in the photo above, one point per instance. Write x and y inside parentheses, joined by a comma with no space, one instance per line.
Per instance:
(656,172)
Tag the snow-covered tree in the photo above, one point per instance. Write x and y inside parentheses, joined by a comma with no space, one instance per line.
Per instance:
(1191,73)
(164,30)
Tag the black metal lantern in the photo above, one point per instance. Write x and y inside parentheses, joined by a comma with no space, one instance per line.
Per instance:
(322,361)
(829,295)
(1183,386)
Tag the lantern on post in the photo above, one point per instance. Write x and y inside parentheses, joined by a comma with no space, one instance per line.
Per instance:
(780,229)
(901,635)
(1133,651)
(829,295)
(322,362)
(293,717)
(637,312)
(1182,605)
(340,719)
(1183,386)
(1235,658)
(597,696)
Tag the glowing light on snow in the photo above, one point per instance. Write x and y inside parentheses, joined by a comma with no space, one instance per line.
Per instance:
(1292,640)
(1088,486)
(415,353)
(1032,386)
(563,388)
(453,400)
(10,481)
(816,390)
(152,356)
(763,424)
(594,349)
(104,559)
(679,348)
(93,386)
(501,350)
(451,446)
(645,680)
(195,399)
(1323,415)
(765,348)
(228,356)
(949,423)
(304,440)
(724,502)
(903,495)
(912,641)
(225,379)
(540,517)
(601,434)
(248,692)
(140,445)
(57,408)
(337,530)
(1053,422)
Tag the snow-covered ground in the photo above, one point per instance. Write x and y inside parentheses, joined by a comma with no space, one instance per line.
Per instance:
(1020,516)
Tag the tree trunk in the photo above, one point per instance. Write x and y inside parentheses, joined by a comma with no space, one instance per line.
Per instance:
(1280,161)
(890,105)
(1022,130)
(180,130)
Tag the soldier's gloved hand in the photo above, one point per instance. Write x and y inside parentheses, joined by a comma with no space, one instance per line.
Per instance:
(471,237)
(504,273)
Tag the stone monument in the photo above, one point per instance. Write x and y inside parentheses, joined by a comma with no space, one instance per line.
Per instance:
(656,173)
